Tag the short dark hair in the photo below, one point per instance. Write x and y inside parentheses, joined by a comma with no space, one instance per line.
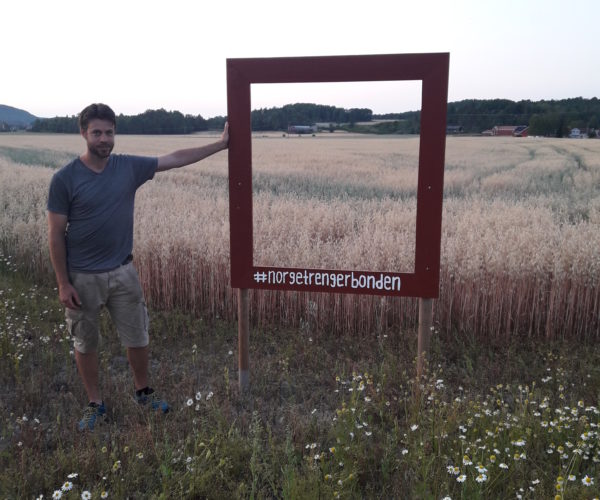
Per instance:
(97,111)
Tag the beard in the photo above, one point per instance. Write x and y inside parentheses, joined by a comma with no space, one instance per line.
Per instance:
(101,151)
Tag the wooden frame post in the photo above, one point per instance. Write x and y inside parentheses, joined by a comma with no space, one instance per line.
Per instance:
(243,340)
(424,335)
(432,71)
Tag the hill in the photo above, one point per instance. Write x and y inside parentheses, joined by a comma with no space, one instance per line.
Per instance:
(14,117)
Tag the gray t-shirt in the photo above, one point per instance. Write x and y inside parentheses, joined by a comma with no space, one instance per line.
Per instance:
(100,209)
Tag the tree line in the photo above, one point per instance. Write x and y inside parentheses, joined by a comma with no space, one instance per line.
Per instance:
(306,114)
(546,118)
(554,118)
(152,121)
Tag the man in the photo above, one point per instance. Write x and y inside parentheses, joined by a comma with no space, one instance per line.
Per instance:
(90,234)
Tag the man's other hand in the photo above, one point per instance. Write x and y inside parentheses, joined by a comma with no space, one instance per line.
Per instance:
(68,297)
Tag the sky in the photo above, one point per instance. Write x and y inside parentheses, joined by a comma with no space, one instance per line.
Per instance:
(57,57)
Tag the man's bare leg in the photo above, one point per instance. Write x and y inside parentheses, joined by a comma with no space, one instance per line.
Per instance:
(138,360)
(87,365)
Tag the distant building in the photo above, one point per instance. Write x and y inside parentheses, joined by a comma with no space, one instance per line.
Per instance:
(508,130)
(454,129)
(302,129)
(577,133)
(521,131)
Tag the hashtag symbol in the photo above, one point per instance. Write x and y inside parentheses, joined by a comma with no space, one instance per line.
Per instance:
(260,276)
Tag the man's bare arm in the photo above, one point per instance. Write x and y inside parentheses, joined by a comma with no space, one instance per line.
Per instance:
(185,157)
(57,224)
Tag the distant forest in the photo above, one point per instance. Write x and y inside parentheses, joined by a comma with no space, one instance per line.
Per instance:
(546,118)
(152,121)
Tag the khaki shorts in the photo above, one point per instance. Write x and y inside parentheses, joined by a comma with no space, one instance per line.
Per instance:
(120,292)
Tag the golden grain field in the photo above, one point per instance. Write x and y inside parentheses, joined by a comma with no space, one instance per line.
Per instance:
(520,236)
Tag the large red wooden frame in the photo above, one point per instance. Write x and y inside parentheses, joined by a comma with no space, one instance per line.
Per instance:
(432,70)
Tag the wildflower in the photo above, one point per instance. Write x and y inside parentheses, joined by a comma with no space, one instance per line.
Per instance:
(116,466)
(519,442)
(493,459)
(481,478)
(198,396)
(68,486)
(503,466)
(572,477)
(57,494)
(73,475)
(104,450)
(104,494)
(368,433)
(209,395)
(404,451)
(140,455)
(587,481)
(461,478)
(452,469)
(190,402)
(414,427)
(481,469)
(467,460)
(86,495)
(327,477)
(126,449)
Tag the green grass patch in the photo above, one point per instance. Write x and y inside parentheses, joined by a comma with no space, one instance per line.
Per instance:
(325,417)
(45,157)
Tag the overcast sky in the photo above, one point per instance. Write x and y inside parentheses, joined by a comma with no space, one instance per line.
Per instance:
(59,56)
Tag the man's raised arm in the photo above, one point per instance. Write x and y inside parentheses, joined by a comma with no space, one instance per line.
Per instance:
(185,157)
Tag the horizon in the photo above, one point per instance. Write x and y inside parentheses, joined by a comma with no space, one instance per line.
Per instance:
(293,103)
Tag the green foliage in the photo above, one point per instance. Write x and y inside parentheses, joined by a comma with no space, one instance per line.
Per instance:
(157,121)
(548,118)
(305,114)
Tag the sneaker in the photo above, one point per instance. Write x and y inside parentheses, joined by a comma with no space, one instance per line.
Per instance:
(93,413)
(147,396)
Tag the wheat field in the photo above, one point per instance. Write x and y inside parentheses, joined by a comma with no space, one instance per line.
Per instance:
(520,235)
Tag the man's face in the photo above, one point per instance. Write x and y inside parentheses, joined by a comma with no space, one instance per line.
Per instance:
(100,138)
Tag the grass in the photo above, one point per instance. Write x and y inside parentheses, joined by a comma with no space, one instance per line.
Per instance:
(326,417)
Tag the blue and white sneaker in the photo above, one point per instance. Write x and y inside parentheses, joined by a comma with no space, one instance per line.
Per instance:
(148,397)
(93,414)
